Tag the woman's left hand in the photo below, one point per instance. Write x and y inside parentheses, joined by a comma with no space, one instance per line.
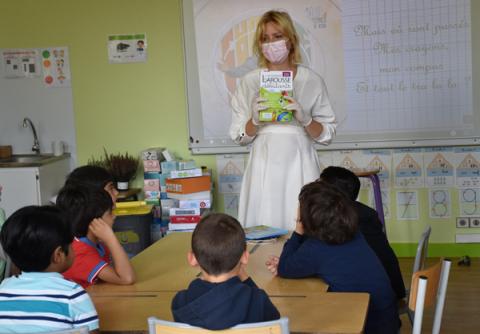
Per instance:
(302,117)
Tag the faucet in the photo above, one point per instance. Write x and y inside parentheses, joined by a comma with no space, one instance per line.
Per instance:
(36,143)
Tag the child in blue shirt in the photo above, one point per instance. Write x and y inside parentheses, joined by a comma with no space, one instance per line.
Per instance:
(38,240)
(224,295)
(326,243)
(368,223)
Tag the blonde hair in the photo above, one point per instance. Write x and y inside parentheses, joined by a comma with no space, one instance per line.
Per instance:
(285,23)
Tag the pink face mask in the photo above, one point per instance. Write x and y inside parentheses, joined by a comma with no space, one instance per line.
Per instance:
(275,52)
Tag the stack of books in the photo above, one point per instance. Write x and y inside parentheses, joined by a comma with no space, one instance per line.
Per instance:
(184,219)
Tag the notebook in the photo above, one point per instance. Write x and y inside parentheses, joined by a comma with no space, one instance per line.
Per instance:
(262,232)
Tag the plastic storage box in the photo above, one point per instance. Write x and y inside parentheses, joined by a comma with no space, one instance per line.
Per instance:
(133,226)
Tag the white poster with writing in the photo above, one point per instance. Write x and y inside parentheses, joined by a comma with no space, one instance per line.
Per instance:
(439,166)
(408,164)
(467,166)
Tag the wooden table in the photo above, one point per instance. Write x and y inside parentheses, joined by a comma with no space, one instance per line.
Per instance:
(162,270)
(315,313)
(163,267)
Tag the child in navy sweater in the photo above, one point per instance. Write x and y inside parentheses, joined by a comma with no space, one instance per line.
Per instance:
(224,296)
(368,223)
(326,243)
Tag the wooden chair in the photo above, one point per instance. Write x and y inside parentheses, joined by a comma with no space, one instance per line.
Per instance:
(419,264)
(158,326)
(422,250)
(429,286)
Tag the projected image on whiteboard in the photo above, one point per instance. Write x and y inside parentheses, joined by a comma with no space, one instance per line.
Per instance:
(398,73)
(224,32)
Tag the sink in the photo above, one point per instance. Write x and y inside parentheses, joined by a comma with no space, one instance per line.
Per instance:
(27,160)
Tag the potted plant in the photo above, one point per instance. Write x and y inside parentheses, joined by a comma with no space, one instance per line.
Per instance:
(122,167)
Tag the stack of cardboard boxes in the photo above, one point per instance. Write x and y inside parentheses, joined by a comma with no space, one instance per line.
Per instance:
(152,180)
(180,191)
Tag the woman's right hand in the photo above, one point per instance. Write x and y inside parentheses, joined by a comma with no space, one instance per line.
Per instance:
(257,106)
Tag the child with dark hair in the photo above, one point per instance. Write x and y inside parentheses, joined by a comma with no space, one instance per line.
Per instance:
(369,223)
(326,244)
(224,296)
(38,240)
(95,177)
(95,245)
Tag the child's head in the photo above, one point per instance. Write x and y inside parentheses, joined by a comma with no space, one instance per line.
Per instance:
(343,179)
(82,205)
(93,177)
(326,213)
(38,238)
(218,243)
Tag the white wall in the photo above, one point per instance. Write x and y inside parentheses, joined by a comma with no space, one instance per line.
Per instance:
(50,109)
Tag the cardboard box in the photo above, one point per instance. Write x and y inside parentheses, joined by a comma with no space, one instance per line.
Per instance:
(151,185)
(168,166)
(168,155)
(189,185)
(153,153)
(152,194)
(151,166)
(195,203)
(151,175)
(176,174)
(186,164)
(192,196)
(184,212)
(185,219)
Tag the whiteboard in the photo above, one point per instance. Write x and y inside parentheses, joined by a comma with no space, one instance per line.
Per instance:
(399,73)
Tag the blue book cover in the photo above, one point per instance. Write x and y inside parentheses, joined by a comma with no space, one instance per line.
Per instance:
(261,232)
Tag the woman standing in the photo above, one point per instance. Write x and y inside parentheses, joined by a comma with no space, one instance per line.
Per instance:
(282,157)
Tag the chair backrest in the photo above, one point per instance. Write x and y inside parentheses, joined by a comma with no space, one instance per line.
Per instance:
(422,250)
(158,326)
(429,286)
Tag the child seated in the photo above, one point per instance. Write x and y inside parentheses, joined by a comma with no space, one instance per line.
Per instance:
(326,243)
(38,240)
(95,244)
(93,177)
(368,223)
(224,296)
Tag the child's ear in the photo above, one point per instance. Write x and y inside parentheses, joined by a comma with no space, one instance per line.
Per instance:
(192,260)
(244,258)
(58,255)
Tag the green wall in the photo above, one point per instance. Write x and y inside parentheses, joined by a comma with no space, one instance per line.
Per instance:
(128,107)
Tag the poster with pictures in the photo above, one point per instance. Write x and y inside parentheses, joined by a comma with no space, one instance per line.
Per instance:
(20,63)
(439,166)
(467,166)
(55,67)
(408,165)
(230,173)
(127,48)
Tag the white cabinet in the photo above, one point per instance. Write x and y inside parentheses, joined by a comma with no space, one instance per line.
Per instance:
(23,186)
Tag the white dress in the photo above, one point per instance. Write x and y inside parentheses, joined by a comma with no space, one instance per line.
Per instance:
(282,157)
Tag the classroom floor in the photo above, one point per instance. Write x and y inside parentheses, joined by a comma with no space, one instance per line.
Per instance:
(462,304)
